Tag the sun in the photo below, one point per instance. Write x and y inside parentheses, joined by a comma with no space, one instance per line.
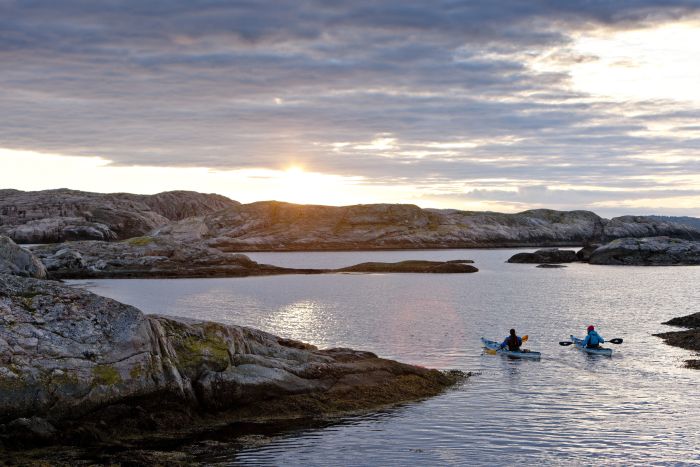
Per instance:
(299,186)
(294,171)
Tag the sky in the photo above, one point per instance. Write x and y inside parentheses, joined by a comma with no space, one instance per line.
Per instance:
(501,106)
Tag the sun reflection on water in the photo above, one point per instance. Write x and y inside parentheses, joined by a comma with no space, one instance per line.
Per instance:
(304,319)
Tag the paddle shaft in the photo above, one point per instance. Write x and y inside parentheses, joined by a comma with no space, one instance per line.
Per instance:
(615,341)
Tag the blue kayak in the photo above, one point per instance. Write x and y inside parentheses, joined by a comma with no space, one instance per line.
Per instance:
(496,347)
(595,351)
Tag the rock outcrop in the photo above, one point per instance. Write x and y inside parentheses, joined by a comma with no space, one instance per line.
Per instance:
(654,251)
(584,254)
(545,256)
(74,364)
(283,226)
(53,216)
(689,321)
(415,266)
(273,225)
(162,257)
(647,226)
(18,261)
(148,257)
(63,215)
(688,339)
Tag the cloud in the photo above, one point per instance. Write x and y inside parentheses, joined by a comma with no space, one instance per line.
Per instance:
(229,85)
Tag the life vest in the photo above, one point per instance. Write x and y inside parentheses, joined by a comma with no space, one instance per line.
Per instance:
(513,343)
(594,340)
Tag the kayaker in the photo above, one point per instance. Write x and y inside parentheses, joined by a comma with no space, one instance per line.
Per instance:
(593,339)
(513,342)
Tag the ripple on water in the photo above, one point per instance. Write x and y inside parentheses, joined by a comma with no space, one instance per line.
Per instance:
(638,407)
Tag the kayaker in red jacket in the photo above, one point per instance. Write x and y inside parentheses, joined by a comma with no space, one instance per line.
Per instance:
(513,342)
(593,339)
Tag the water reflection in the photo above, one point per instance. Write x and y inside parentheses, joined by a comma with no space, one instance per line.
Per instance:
(570,407)
(308,319)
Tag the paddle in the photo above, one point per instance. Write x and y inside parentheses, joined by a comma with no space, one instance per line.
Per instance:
(494,352)
(617,340)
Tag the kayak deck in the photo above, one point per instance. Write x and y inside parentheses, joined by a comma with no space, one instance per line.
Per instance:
(495,346)
(594,351)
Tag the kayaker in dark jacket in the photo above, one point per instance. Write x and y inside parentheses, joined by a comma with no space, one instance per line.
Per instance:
(513,342)
(593,339)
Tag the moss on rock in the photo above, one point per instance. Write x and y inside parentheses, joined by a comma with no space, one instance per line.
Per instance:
(106,375)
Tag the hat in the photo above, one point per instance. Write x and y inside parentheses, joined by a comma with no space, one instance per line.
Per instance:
(590,328)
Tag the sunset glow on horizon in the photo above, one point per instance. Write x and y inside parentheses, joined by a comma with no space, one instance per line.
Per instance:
(589,107)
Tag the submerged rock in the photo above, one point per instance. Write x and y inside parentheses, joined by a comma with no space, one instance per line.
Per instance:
(654,251)
(94,369)
(16,260)
(545,256)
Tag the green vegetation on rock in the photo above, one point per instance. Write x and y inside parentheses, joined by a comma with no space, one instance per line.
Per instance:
(106,375)
(140,241)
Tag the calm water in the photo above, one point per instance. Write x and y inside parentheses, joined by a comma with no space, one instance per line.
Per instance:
(569,408)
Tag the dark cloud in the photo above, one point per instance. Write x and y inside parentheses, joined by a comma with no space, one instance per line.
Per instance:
(246,84)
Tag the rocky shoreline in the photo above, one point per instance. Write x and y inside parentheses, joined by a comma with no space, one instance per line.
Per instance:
(77,369)
(688,339)
(157,257)
(652,251)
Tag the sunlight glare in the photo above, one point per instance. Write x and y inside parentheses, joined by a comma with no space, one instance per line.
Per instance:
(659,63)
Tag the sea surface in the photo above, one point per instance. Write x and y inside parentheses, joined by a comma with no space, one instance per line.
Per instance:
(638,407)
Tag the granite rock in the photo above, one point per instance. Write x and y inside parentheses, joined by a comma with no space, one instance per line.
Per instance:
(652,251)
(545,256)
(16,260)
(70,359)
(62,215)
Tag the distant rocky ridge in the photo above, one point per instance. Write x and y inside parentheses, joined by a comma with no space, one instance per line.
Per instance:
(268,226)
(691,221)
(53,216)
(218,222)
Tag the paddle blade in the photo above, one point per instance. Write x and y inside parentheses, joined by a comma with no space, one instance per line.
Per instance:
(490,351)
(565,343)
(617,340)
